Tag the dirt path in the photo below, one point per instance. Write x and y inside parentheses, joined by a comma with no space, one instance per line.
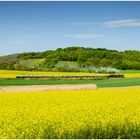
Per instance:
(57,87)
(47,87)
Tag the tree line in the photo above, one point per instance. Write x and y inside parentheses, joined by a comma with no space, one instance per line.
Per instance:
(85,57)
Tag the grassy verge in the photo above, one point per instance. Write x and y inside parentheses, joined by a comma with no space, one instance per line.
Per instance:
(100,83)
(130,71)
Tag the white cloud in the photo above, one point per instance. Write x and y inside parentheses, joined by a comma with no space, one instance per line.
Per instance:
(122,23)
(111,23)
(84,36)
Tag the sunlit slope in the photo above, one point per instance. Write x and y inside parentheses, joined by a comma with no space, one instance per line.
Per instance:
(71,114)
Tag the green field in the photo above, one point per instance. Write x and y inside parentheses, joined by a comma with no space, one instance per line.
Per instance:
(100,83)
(129,71)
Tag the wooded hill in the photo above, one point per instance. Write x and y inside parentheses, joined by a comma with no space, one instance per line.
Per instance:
(72,59)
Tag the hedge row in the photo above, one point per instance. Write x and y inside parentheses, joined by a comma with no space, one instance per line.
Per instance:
(70,77)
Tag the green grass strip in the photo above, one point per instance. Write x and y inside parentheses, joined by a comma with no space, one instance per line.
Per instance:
(100,83)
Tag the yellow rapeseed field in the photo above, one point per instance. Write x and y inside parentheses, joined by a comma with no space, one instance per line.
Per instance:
(13,73)
(132,75)
(102,113)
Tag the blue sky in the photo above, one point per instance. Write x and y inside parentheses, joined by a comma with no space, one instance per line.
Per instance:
(40,26)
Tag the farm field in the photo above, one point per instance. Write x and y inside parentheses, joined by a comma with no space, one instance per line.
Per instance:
(131,73)
(69,70)
(7,78)
(102,113)
(99,83)
(13,73)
